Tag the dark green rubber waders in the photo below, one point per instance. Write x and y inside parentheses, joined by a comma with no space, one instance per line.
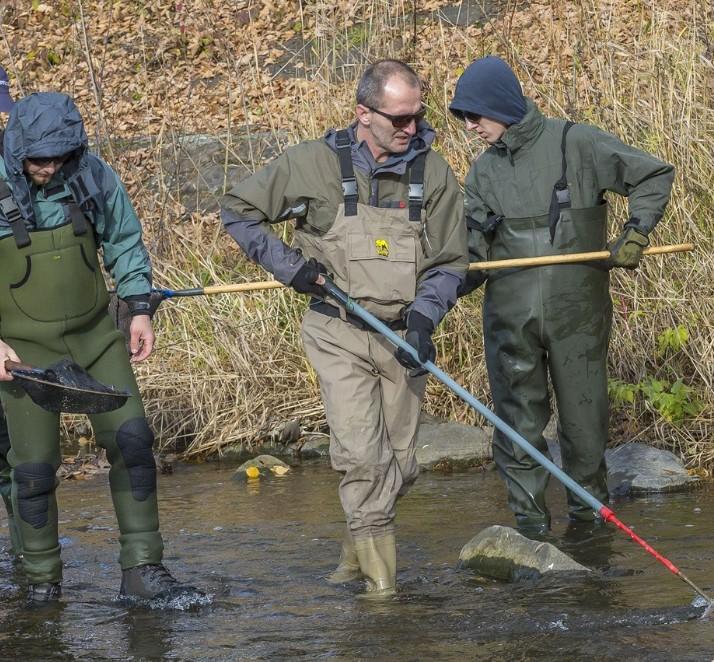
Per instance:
(550,321)
(53,304)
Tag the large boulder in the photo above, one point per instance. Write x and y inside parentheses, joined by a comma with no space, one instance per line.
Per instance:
(452,445)
(635,468)
(640,469)
(503,553)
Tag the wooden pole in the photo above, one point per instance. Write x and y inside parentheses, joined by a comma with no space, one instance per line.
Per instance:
(495,264)
(572,257)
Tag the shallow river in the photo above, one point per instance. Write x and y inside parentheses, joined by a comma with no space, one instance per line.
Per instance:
(262,549)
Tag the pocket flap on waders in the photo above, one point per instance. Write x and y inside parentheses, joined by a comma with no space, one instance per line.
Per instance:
(382,267)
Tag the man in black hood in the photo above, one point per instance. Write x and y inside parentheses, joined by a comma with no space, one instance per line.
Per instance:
(539,189)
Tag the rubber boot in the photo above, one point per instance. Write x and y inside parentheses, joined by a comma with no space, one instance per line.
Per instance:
(378,561)
(39,594)
(154,581)
(347,569)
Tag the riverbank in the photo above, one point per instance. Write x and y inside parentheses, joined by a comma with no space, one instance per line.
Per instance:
(255,78)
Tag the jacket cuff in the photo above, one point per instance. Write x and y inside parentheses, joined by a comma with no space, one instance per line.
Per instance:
(139,304)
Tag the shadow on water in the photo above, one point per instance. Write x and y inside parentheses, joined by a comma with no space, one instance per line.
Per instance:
(262,549)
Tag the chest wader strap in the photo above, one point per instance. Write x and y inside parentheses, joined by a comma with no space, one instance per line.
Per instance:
(79,220)
(10,211)
(561,195)
(416,187)
(347,172)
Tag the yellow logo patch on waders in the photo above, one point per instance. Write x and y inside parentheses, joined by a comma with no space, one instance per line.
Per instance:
(382,247)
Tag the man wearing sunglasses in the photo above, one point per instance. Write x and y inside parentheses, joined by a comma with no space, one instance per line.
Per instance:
(539,189)
(381,212)
(58,205)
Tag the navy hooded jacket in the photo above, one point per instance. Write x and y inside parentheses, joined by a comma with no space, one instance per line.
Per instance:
(47,124)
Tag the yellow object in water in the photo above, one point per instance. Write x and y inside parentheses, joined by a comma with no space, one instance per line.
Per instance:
(252,472)
(279,470)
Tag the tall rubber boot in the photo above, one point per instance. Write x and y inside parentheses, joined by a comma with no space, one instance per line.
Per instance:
(378,561)
(347,569)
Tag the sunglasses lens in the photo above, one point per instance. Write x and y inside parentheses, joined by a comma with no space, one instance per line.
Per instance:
(472,117)
(403,121)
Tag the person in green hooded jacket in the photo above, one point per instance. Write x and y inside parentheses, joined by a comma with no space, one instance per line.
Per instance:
(6,104)
(58,205)
(540,189)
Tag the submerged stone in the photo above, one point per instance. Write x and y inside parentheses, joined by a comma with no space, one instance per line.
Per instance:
(265,464)
(503,553)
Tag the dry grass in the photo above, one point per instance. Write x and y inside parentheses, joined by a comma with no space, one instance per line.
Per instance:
(232,366)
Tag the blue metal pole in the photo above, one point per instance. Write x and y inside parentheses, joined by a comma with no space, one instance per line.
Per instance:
(355,309)
(600,508)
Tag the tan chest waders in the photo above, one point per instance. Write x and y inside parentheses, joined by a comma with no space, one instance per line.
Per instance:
(372,405)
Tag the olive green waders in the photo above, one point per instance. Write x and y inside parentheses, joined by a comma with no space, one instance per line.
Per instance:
(6,487)
(549,320)
(371,403)
(53,304)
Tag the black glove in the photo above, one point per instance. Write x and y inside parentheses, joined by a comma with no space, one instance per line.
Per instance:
(474,279)
(304,280)
(419,330)
(626,250)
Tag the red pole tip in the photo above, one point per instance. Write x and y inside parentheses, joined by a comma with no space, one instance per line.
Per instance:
(607,514)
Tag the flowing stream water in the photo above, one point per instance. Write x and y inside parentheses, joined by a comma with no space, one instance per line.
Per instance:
(262,548)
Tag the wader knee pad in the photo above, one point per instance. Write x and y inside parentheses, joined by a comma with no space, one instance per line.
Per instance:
(35,482)
(135,441)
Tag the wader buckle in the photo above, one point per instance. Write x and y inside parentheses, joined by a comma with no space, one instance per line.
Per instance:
(349,187)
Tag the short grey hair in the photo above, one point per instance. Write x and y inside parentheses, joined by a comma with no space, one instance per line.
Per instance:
(371,86)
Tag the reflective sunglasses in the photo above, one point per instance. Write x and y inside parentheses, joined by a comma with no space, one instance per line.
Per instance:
(401,121)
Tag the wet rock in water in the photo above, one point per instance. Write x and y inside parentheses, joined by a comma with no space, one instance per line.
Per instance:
(503,553)
(640,469)
(315,446)
(265,464)
(452,445)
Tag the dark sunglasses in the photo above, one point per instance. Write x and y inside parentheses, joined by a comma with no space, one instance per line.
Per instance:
(401,121)
(471,117)
(44,161)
